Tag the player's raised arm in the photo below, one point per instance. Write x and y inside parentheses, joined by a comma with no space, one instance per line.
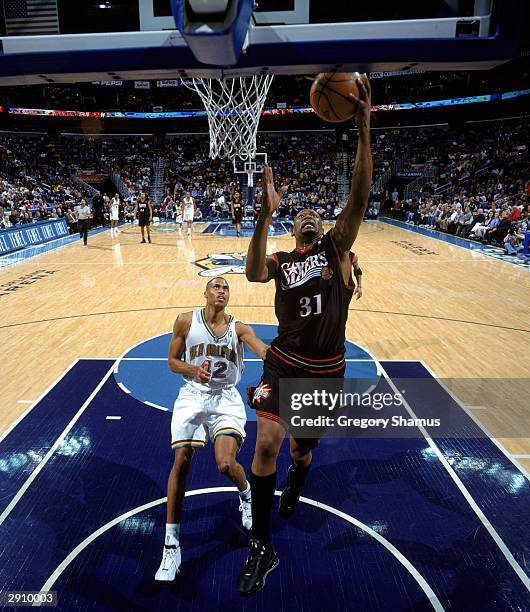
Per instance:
(350,219)
(259,267)
(177,345)
(248,336)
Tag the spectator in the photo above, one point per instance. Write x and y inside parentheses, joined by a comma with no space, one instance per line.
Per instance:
(498,232)
(71,220)
(513,242)
(480,228)
(464,223)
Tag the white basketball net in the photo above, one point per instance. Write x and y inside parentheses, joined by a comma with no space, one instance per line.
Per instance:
(234,108)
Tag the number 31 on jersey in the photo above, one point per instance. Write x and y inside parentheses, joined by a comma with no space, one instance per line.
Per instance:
(311,305)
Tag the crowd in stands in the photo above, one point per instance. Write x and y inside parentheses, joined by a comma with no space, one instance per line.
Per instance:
(478,185)
(189,169)
(310,184)
(132,157)
(213,182)
(38,176)
(481,189)
(35,180)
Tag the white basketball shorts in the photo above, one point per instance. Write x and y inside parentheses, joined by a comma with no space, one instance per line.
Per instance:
(200,416)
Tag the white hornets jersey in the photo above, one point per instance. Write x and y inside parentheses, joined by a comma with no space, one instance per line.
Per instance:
(188,204)
(224,353)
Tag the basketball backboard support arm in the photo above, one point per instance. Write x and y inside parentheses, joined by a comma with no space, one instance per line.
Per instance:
(430,44)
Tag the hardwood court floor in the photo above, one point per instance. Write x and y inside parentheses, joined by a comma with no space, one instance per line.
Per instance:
(465,315)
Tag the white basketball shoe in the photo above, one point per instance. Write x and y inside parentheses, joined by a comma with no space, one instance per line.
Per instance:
(170,565)
(245,507)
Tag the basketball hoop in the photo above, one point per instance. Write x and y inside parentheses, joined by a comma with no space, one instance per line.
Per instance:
(233,106)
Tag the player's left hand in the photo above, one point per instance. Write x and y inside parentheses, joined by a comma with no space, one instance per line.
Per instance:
(358,293)
(363,102)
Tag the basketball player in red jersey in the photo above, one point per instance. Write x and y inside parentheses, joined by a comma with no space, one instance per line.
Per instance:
(314,288)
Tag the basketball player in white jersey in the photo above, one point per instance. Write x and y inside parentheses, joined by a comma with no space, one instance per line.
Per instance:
(188,210)
(207,350)
(114,215)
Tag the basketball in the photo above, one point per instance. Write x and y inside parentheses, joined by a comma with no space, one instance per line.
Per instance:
(331,95)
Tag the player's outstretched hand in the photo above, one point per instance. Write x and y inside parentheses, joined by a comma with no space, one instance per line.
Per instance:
(271,197)
(201,373)
(364,102)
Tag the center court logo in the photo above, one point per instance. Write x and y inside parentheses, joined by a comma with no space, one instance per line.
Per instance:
(219,264)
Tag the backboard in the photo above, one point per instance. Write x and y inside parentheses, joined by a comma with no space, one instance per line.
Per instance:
(285,37)
(255,164)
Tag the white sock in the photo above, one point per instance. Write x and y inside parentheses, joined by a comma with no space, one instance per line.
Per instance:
(245,495)
(172,533)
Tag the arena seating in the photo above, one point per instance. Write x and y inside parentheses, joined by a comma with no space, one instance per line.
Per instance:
(480,171)
(466,173)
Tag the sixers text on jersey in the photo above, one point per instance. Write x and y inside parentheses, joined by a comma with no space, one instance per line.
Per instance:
(311,301)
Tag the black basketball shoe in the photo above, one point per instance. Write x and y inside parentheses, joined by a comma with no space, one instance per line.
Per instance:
(260,561)
(290,495)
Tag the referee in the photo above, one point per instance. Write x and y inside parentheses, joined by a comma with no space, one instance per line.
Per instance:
(83,215)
